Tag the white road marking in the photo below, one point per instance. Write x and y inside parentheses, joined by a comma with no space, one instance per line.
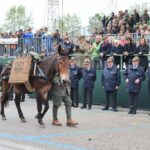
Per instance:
(15,146)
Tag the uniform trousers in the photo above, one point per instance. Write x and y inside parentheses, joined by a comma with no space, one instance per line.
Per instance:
(133,99)
(113,96)
(57,100)
(88,95)
(74,96)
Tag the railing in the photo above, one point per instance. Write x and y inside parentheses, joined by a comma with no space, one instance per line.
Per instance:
(12,47)
(46,44)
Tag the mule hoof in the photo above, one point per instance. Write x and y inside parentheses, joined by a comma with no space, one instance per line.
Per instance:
(3,118)
(23,120)
(36,116)
(42,125)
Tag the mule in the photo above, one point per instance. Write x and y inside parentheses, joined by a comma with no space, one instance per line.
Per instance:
(57,63)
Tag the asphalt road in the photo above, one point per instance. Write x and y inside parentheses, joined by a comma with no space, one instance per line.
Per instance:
(97,130)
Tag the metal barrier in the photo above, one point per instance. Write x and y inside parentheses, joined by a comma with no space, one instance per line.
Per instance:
(9,47)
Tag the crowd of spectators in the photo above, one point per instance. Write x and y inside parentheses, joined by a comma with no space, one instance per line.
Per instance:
(120,34)
(39,41)
(123,22)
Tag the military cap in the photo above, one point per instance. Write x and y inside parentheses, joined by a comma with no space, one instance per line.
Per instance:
(87,61)
(110,59)
(136,58)
(72,58)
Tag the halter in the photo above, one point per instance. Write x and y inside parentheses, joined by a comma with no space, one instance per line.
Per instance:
(56,68)
(57,72)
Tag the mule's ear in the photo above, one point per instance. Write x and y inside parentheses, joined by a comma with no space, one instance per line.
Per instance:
(59,49)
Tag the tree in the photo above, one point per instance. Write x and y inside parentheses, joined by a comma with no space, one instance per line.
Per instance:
(16,18)
(95,21)
(140,7)
(1,30)
(70,24)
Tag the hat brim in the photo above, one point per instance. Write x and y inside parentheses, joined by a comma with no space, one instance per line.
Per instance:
(109,61)
(135,59)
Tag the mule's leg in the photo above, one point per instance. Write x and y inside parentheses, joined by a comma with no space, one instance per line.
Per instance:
(4,98)
(39,108)
(17,102)
(2,111)
(45,108)
(4,101)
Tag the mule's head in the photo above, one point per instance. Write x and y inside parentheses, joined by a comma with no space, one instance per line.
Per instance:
(63,65)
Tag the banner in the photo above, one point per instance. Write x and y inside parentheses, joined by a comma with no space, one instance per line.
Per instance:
(9,41)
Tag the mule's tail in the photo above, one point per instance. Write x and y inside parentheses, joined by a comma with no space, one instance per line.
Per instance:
(5,93)
(6,87)
(5,99)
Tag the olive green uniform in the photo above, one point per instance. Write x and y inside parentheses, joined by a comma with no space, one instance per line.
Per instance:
(61,92)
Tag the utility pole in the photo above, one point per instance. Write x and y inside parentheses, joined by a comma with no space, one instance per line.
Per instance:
(113,6)
(52,14)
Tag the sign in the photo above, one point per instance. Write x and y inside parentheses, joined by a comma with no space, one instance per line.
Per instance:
(9,41)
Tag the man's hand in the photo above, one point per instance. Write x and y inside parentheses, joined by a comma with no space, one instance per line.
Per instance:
(127,80)
(137,81)
(126,53)
(117,87)
(101,54)
(140,53)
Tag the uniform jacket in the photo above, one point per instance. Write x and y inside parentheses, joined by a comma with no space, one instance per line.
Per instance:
(132,75)
(75,75)
(89,76)
(60,89)
(111,78)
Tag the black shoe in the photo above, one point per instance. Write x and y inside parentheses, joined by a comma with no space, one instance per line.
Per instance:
(82,107)
(22,100)
(134,111)
(105,108)
(114,109)
(89,107)
(72,105)
(76,106)
(130,111)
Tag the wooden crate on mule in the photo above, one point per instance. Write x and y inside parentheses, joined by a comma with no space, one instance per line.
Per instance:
(20,70)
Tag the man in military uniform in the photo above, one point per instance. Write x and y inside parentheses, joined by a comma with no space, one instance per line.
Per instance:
(89,76)
(75,75)
(61,92)
(134,75)
(110,82)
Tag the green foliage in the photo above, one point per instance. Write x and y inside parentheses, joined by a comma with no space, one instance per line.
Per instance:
(16,18)
(140,7)
(1,30)
(95,21)
(70,24)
